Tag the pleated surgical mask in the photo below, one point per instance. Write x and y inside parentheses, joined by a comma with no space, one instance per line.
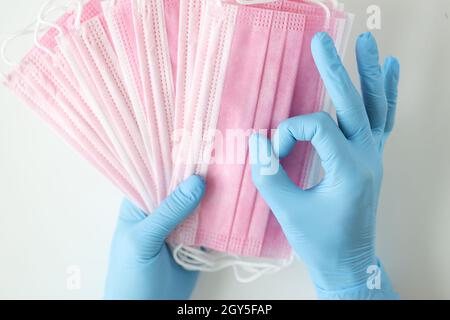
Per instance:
(92,57)
(203,102)
(275,79)
(121,29)
(46,83)
(190,13)
(172,18)
(156,77)
(153,91)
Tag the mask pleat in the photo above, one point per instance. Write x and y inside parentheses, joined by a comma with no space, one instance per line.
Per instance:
(156,77)
(203,102)
(121,29)
(239,241)
(291,26)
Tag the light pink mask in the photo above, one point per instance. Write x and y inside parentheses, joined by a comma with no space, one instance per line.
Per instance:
(91,55)
(190,13)
(262,87)
(48,86)
(108,87)
(158,86)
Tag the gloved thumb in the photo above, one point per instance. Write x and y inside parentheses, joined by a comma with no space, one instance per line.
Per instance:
(270,178)
(173,210)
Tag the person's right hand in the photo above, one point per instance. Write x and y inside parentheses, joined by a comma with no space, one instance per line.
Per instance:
(332,226)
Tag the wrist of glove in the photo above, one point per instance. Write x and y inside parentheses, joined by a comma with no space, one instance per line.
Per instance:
(375,286)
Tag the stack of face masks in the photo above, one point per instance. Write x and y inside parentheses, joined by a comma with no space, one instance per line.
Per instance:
(153,91)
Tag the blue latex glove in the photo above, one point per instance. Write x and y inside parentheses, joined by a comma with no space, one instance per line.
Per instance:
(141,264)
(332,226)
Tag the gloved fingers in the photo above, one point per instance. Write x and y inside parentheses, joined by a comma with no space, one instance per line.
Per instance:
(270,179)
(391,80)
(351,113)
(372,83)
(321,130)
(174,209)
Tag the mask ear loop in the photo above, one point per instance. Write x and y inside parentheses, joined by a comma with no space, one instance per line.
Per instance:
(41,21)
(27,30)
(30,29)
(196,259)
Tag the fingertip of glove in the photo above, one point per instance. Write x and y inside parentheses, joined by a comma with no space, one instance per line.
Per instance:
(366,36)
(193,187)
(324,51)
(321,40)
(322,37)
(367,45)
(392,65)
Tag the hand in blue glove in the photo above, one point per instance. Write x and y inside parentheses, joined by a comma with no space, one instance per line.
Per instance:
(141,265)
(332,226)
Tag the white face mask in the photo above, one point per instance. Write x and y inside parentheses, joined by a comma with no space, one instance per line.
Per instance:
(121,30)
(203,100)
(96,67)
(156,77)
(189,25)
(205,82)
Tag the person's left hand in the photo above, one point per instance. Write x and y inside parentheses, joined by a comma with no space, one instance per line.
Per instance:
(141,265)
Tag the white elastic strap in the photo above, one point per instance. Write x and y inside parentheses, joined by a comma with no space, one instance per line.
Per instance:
(79,4)
(42,21)
(32,27)
(195,259)
(79,12)
(27,30)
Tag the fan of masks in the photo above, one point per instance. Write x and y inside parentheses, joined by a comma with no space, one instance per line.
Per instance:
(153,91)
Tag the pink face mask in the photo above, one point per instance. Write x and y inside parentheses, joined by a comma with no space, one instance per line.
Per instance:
(190,13)
(172,17)
(92,58)
(144,55)
(262,87)
(106,84)
(156,77)
(48,86)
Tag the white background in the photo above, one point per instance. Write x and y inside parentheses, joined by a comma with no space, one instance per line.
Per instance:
(57,211)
